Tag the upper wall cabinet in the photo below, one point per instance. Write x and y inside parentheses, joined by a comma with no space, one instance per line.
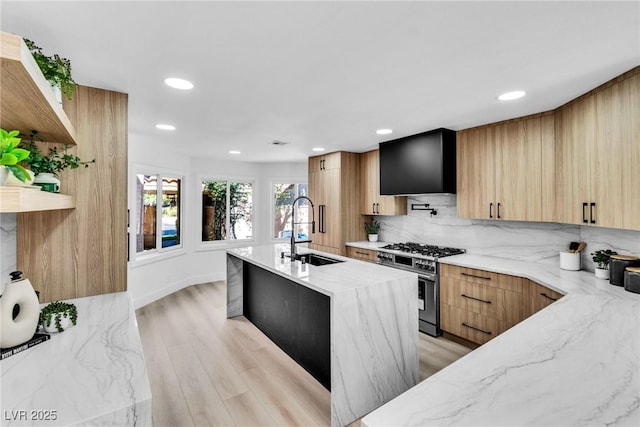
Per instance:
(27,101)
(372,202)
(598,156)
(506,170)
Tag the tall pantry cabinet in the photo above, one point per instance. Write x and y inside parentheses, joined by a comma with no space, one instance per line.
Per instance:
(334,182)
(83,251)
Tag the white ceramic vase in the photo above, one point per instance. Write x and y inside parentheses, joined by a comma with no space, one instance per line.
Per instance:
(21,328)
(602,273)
(4,174)
(373,237)
(65,323)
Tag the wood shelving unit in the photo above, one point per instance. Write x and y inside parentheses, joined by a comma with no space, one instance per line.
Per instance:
(27,101)
(21,199)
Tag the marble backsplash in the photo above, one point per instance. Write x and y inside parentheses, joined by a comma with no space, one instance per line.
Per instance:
(8,247)
(526,241)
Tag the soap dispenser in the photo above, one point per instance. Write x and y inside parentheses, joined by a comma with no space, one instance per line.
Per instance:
(19,312)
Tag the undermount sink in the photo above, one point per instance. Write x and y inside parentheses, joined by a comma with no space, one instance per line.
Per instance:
(319,260)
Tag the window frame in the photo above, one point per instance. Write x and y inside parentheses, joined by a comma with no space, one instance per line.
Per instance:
(217,244)
(158,253)
(274,181)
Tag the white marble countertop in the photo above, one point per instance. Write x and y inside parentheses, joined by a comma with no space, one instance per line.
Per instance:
(577,362)
(365,244)
(92,373)
(327,279)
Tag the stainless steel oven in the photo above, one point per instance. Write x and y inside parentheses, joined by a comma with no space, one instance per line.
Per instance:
(421,259)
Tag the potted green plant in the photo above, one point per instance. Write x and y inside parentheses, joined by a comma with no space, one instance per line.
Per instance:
(47,167)
(372,227)
(58,316)
(11,155)
(55,69)
(601,259)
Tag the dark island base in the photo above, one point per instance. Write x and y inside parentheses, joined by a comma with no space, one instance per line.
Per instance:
(294,317)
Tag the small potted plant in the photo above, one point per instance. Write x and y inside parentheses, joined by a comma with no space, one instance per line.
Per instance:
(372,229)
(58,316)
(11,155)
(46,167)
(55,69)
(601,259)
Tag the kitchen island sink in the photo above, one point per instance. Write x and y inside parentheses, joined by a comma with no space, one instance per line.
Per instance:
(350,324)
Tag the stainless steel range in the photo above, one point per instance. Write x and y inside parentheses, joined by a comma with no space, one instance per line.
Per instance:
(421,259)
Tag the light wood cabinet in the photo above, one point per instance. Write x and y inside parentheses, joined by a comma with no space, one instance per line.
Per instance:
(479,305)
(362,254)
(598,156)
(503,170)
(540,297)
(372,203)
(334,184)
(83,251)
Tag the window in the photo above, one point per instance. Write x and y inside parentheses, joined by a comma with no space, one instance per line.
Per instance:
(227,210)
(283,196)
(157,228)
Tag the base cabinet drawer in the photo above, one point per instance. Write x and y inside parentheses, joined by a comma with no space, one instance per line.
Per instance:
(362,254)
(468,325)
(481,277)
(541,296)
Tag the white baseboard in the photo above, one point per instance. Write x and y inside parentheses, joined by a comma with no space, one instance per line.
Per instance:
(143,300)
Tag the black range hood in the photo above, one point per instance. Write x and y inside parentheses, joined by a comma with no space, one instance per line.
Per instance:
(419,164)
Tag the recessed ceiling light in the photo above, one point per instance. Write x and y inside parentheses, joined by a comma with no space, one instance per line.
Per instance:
(509,96)
(177,83)
(234,152)
(317,149)
(165,126)
(384,131)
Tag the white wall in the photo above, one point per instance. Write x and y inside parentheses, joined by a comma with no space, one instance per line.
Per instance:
(196,263)
(8,247)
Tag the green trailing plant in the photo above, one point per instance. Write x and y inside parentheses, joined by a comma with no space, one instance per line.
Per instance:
(56,311)
(54,162)
(372,227)
(55,69)
(11,155)
(602,257)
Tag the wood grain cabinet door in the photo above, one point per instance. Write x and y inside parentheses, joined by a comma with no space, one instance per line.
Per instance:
(372,202)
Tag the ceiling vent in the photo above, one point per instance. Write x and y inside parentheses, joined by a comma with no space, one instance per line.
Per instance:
(278,143)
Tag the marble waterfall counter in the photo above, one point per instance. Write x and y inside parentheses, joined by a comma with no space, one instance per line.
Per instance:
(91,374)
(576,362)
(373,318)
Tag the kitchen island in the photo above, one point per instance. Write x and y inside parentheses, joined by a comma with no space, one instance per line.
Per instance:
(576,362)
(372,317)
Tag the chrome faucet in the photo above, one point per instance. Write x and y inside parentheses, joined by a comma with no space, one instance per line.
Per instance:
(292,253)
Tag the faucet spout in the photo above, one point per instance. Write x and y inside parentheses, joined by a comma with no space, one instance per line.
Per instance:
(293,252)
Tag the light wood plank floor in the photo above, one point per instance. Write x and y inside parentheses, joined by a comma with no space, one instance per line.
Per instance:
(207,370)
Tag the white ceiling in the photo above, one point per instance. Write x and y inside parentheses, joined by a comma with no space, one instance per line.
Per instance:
(329,73)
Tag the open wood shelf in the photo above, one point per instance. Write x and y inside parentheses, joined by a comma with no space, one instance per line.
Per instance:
(21,199)
(27,101)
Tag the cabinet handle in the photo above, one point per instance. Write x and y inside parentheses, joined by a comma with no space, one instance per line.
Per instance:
(547,296)
(475,299)
(584,213)
(321,215)
(473,275)
(591,206)
(377,208)
(373,207)
(476,329)
(321,165)
(498,210)
(490,210)
(362,253)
